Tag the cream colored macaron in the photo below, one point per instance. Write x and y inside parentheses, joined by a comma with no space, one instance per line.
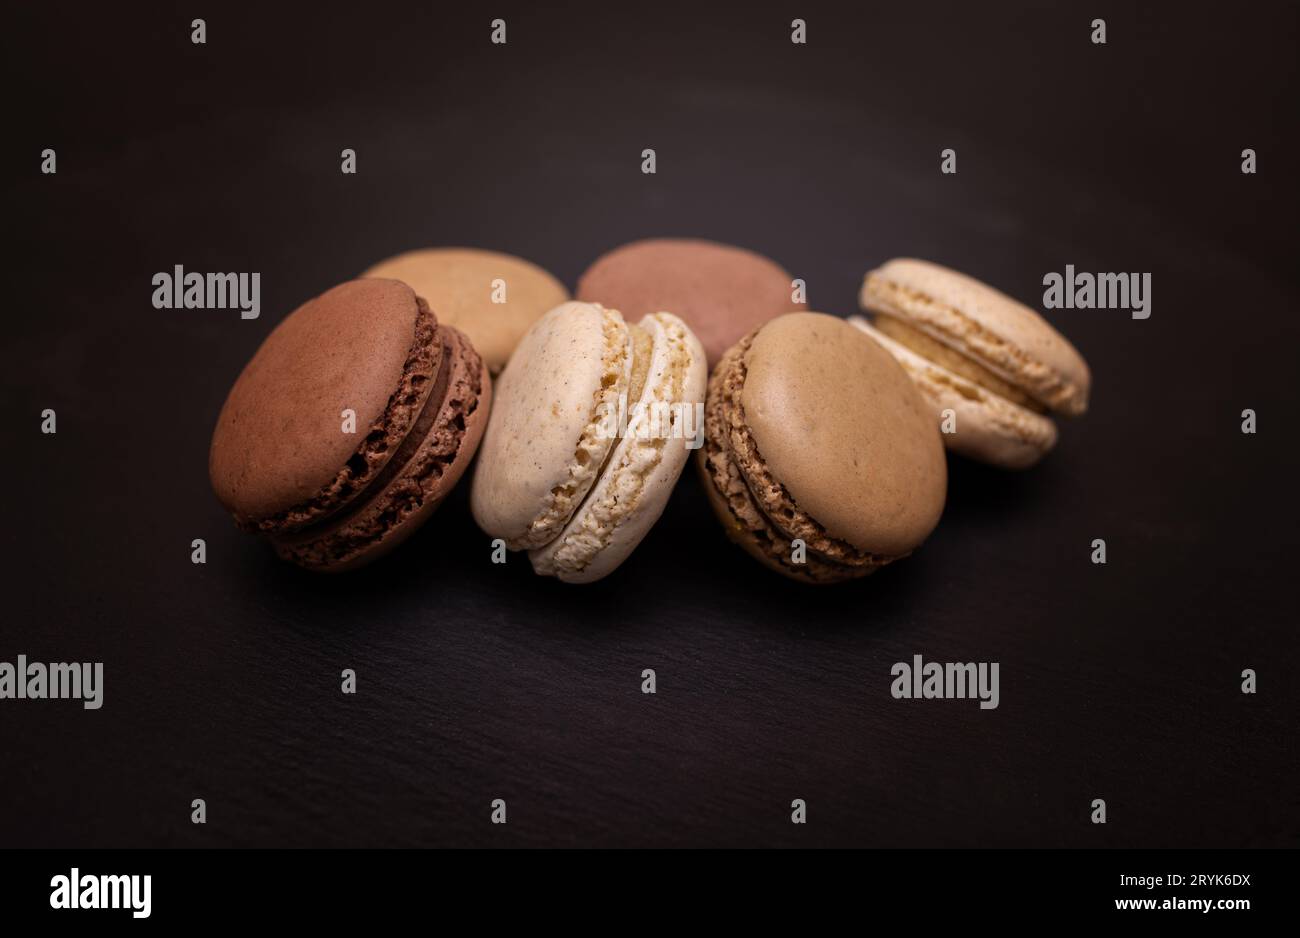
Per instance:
(664,422)
(994,362)
(590,429)
(544,448)
(985,426)
(493,298)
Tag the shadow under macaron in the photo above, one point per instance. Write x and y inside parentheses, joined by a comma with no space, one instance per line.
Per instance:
(987,495)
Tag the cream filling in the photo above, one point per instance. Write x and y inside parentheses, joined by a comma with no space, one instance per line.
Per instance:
(951,360)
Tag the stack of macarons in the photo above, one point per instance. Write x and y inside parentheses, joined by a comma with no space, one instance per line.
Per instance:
(820,441)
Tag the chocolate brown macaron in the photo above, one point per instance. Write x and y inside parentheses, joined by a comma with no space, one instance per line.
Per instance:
(349,426)
(813,432)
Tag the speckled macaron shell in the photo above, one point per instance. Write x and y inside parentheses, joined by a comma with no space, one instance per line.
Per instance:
(543,448)
(721,292)
(462,286)
(642,469)
(986,426)
(360,356)
(843,430)
(1002,335)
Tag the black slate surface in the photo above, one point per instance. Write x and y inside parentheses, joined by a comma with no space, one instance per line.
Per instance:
(479,681)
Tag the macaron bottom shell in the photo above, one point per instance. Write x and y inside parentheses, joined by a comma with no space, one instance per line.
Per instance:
(752,531)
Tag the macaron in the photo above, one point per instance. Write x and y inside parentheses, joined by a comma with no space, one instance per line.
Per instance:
(815,434)
(492,298)
(722,292)
(994,362)
(351,423)
(593,423)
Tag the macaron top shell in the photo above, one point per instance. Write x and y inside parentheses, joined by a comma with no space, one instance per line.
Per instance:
(280,456)
(460,284)
(721,292)
(1007,337)
(543,447)
(840,425)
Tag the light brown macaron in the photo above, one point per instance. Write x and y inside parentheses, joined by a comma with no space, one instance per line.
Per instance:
(491,297)
(722,292)
(814,432)
(968,341)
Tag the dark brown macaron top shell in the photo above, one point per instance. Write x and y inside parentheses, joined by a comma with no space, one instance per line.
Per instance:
(281,460)
(722,292)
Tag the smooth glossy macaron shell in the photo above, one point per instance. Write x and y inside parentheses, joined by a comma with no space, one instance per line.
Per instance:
(493,298)
(721,292)
(324,403)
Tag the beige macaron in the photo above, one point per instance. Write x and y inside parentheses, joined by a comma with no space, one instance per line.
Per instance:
(492,298)
(662,422)
(591,427)
(994,362)
(984,425)
(815,434)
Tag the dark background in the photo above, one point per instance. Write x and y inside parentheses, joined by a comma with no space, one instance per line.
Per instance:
(480,681)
